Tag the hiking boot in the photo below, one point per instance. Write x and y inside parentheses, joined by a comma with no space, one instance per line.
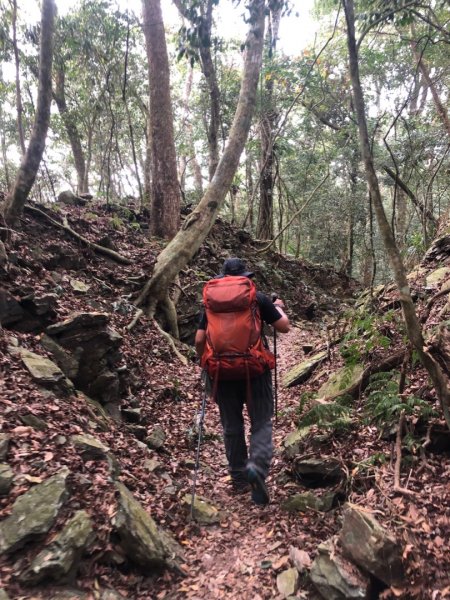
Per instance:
(240,486)
(260,495)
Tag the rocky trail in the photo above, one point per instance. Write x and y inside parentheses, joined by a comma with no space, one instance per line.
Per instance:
(98,432)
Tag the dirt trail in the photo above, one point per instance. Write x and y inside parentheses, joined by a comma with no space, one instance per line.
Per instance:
(241,557)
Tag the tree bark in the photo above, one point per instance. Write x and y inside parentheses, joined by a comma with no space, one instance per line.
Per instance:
(59,94)
(413,328)
(264,230)
(165,190)
(19,106)
(209,73)
(198,224)
(31,161)
(423,67)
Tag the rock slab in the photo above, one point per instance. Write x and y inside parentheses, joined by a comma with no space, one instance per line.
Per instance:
(33,513)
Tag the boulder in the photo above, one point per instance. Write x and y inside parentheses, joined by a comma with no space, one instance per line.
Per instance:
(156,439)
(132,415)
(287,582)
(40,305)
(68,198)
(204,512)
(90,447)
(6,479)
(293,443)
(318,472)
(4,445)
(33,513)
(59,560)
(370,546)
(336,578)
(342,382)
(99,414)
(84,346)
(33,421)
(140,538)
(79,286)
(308,501)
(302,371)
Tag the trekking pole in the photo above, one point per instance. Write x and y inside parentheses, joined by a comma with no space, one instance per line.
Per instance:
(274,297)
(201,418)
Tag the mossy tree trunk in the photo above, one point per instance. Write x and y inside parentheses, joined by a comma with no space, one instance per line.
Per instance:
(197,225)
(413,327)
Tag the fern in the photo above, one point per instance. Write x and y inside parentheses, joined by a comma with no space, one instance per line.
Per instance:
(384,404)
(332,416)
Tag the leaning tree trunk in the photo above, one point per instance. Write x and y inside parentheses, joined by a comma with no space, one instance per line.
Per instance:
(413,328)
(198,224)
(30,163)
(165,189)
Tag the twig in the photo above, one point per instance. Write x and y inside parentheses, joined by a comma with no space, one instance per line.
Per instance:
(398,458)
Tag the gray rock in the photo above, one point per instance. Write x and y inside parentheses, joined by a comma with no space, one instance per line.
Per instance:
(33,513)
(95,348)
(98,412)
(293,442)
(370,546)
(337,578)
(89,447)
(10,310)
(156,439)
(318,472)
(4,445)
(308,501)
(3,595)
(33,421)
(204,511)
(132,415)
(287,582)
(6,479)
(40,305)
(68,198)
(60,560)
(67,361)
(140,538)
(302,371)
(41,369)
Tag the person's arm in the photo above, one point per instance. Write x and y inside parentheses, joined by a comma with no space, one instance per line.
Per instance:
(200,341)
(282,325)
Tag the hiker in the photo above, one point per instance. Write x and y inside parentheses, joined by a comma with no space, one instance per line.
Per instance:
(230,324)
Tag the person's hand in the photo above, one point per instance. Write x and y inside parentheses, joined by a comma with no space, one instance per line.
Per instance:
(279,302)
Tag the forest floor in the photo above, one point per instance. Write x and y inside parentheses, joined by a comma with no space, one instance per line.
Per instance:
(241,556)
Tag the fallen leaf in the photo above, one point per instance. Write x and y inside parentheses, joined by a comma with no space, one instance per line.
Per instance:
(280,562)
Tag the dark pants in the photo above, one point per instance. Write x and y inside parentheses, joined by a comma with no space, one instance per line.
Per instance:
(231,397)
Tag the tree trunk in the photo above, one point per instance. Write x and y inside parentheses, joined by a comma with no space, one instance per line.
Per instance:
(19,106)
(412,324)
(59,94)
(165,190)
(423,67)
(198,224)
(209,73)
(264,229)
(30,162)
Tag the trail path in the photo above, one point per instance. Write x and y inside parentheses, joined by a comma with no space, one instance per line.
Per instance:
(241,557)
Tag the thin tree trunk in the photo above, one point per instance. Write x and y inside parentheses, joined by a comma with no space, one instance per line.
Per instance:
(165,190)
(264,229)
(423,67)
(30,162)
(59,95)
(412,324)
(19,106)
(198,224)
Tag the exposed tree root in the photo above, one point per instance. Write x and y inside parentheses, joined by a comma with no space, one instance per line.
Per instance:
(96,247)
(398,458)
(169,338)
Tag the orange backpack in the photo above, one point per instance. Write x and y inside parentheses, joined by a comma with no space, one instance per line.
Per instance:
(234,346)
